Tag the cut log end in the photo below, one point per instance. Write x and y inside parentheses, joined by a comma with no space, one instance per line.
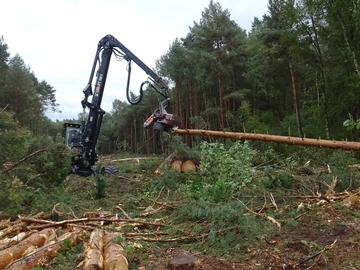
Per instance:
(188,166)
(184,262)
(176,165)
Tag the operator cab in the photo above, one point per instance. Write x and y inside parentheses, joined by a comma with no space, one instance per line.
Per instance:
(72,134)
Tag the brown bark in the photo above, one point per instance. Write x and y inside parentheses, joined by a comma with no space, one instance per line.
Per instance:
(345,145)
(45,254)
(114,254)
(221,103)
(35,240)
(167,161)
(295,97)
(93,251)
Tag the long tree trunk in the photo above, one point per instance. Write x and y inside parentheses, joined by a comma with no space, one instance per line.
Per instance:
(295,97)
(221,95)
(345,145)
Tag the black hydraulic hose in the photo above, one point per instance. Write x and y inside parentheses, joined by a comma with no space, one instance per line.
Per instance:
(139,98)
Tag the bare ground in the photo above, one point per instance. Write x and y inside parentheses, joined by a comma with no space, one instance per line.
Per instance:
(325,238)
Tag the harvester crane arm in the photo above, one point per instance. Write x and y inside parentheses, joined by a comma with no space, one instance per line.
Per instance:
(90,127)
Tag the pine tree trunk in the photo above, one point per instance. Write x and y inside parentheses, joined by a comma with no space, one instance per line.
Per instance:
(37,239)
(295,97)
(345,145)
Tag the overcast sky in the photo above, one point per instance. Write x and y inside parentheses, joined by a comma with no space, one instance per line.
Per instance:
(58,39)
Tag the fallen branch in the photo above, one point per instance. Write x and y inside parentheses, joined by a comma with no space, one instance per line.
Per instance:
(5,243)
(326,248)
(4,108)
(168,240)
(13,165)
(138,234)
(135,160)
(62,223)
(271,219)
(12,229)
(123,211)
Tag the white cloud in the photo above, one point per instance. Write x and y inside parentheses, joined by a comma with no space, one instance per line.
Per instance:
(58,39)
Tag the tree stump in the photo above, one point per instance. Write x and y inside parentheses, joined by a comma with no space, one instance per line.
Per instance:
(184,262)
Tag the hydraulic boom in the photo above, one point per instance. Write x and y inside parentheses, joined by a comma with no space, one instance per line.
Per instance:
(90,127)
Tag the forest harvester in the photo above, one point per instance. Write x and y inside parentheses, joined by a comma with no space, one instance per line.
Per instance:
(82,138)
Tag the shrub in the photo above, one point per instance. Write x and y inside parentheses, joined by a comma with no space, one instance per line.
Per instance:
(225,170)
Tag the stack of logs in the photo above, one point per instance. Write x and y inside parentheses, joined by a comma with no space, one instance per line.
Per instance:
(102,252)
(29,249)
(23,247)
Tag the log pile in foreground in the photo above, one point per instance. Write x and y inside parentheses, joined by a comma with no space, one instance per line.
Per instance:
(26,246)
(44,254)
(34,241)
(345,145)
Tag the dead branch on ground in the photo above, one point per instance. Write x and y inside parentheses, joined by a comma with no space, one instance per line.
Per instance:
(316,255)
(13,165)
(271,219)
(48,224)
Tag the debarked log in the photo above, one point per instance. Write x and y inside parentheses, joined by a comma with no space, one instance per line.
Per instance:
(9,241)
(45,253)
(27,245)
(345,145)
(115,257)
(93,251)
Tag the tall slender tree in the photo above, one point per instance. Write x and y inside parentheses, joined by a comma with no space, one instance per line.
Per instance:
(217,45)
(4,59)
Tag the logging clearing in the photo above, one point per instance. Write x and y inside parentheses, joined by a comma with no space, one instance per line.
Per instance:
(25,244)
(168,213)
